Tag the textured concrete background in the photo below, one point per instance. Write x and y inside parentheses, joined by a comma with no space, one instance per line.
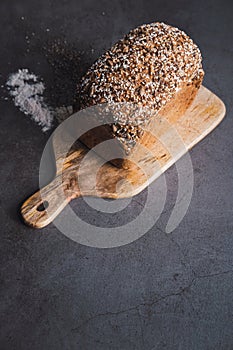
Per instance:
(164,291)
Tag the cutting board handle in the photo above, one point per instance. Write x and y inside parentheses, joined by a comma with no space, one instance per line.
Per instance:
(43,207)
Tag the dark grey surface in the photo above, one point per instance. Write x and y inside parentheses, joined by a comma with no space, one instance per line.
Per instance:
(164,291)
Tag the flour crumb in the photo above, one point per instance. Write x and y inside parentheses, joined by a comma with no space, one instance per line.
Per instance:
(27,93)
(62,113)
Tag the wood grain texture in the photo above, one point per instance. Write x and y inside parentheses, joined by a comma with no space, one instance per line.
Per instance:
(88,176)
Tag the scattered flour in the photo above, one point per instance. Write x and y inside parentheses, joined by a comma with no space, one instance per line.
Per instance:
(62,113)
(27,92)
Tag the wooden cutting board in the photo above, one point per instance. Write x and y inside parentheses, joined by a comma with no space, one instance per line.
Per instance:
(74,178)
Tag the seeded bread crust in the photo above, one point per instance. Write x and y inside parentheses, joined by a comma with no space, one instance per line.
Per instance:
(156,67)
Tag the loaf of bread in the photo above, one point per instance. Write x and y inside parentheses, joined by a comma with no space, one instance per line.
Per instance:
(156,67)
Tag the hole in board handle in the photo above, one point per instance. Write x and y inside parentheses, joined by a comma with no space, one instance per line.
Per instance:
(44,205)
